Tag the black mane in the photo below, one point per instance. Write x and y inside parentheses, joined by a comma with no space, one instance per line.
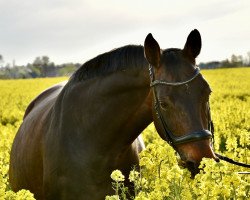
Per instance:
(131,56)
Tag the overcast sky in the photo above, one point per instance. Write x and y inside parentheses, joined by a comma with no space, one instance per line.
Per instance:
(78,30)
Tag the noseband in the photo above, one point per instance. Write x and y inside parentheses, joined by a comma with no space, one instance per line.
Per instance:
(170,137)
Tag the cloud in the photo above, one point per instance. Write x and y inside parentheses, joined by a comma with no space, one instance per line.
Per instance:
(76,30)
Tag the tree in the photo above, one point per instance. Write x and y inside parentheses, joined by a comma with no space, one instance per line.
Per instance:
(236,61)
(45,60)
(44,67)
(37,62)
(248,55)
(233,59)
(1,60)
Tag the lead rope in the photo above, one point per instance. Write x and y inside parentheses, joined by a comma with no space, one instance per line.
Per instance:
(229,160)
(233,162)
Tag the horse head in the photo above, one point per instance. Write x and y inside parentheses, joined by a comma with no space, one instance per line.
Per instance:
(181,100)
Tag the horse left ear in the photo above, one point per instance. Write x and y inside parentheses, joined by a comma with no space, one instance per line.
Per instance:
(192,47)
(152,50)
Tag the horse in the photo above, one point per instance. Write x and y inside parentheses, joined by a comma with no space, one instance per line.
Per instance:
(74,134)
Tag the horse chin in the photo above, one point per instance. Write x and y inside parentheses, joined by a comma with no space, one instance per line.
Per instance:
(191,166)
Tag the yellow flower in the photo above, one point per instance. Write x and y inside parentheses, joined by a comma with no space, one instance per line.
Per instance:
(134,176)
(113,197)
(117,176)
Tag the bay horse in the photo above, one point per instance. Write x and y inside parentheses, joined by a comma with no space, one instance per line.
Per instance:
(75,134)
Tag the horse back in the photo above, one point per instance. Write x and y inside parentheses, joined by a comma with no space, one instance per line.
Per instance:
(42,96)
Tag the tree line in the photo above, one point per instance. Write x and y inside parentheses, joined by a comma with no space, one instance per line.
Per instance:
(40,67)
(43,67)
(234,61)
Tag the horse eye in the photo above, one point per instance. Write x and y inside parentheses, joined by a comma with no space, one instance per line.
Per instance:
(164,105)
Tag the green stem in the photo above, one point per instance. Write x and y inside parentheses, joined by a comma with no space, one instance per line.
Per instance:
(117,188)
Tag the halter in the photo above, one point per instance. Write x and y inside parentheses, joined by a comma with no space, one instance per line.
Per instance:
(170,137)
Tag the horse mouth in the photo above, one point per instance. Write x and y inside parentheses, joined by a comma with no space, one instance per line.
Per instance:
(191,166)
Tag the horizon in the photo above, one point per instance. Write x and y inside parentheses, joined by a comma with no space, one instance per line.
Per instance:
(13,63)
(77,31)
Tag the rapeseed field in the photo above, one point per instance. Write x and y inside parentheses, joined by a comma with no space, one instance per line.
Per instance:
(160,177)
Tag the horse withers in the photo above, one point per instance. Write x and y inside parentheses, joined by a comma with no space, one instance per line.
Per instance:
(74,135)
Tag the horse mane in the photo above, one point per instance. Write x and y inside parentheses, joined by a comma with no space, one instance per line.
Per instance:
(130,56)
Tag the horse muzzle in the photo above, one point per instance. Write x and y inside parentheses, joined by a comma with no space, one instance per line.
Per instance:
(191,154)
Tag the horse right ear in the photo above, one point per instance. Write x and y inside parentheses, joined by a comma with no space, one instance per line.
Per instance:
(152,51)
(192,47)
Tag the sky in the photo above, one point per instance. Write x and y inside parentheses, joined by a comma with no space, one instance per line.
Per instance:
(78,30)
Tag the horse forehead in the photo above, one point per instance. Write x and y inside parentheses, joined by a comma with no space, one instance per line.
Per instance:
(174,65)
(174,62)
(172,55)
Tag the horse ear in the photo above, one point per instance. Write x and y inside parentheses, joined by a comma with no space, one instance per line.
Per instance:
(192,47)
(152,50)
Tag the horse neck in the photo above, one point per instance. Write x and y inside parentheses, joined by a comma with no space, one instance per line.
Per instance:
(109,111)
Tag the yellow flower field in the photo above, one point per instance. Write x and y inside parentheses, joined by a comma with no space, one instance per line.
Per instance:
(160,177)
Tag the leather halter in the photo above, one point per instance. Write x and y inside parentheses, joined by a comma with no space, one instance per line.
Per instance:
(169,136)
